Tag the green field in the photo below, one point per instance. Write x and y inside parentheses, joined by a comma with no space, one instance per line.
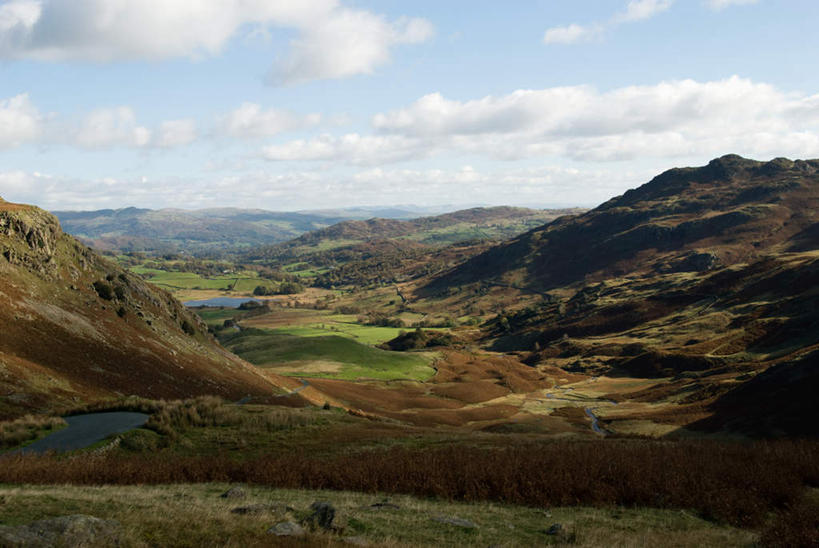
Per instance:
(347,358)
(245,282)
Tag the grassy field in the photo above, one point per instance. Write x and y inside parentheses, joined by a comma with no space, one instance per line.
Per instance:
(328,356)
(151,516)
(242,282)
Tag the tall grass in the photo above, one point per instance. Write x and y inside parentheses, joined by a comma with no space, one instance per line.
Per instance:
(27,428)
(734,483)
(171,417)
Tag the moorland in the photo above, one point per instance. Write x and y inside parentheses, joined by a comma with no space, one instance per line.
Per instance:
(642,372)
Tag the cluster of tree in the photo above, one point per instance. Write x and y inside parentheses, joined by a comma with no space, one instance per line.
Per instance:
(380,319)
(418,339)
(284,288)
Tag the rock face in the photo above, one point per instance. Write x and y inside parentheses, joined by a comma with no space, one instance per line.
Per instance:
(29,237)
(77,327)
(77,530)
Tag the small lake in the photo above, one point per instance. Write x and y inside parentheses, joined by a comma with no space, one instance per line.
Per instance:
(85,430)
(216,302)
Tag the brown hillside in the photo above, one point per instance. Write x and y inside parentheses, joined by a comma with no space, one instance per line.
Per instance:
(76,327)
(692,219)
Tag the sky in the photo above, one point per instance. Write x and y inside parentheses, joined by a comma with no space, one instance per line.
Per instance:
(315,104)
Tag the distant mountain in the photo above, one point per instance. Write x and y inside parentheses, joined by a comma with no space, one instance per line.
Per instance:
(490,223)
(76,327)
(204,230)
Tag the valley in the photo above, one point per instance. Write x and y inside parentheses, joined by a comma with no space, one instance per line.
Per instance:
(686,325)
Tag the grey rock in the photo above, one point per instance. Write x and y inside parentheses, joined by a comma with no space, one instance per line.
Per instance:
(457,522)
(286,529)
(322,516)
(384,505)
(262,508)
(76,530)
(356,541)
(233,493)
(555,529)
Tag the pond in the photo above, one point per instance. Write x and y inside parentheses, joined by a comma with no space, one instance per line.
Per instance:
(85,430)
(216,302)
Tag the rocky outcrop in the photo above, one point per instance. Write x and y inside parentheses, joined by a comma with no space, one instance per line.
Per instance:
(29,237)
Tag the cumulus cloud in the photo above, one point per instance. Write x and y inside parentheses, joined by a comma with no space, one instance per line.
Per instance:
(570,34)
(20,121)
(174,133)
(296,190)
(107,127)
(332,40)
(351,148)
(670,119)
(717,5)
(351,42)
(635,10)
(251,121)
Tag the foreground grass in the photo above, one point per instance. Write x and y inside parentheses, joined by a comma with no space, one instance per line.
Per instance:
(152,516)
(333,356)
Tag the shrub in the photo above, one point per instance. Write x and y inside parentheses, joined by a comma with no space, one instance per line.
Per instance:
(104,290)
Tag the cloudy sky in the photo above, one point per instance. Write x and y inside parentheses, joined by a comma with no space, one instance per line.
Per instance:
(309,104)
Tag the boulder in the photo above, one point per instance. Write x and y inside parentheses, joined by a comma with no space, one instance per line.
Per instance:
(322,517)
(76,530)
(457,522)
(286,529)
(233,493)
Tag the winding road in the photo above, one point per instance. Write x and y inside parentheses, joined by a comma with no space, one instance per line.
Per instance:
(85,430)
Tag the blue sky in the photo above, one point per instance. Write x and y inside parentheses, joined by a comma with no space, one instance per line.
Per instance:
(327,103)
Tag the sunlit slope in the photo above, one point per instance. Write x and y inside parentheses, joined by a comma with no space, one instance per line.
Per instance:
(77,327)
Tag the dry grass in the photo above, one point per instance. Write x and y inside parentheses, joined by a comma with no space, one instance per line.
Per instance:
(734,483)
(151,516)
(27,428)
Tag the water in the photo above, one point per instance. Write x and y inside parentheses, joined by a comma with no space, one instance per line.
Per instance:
(225,302)
(85,430)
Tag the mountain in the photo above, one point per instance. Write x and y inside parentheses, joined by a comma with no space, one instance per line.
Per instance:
(204,230)
(492,223)
(173,230)
(76,327)
(692,219)
(704,282)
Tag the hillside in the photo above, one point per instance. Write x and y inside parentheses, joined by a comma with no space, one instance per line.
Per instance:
(704,282)
(204,230)
(692,219)
(76,327)
(385,240)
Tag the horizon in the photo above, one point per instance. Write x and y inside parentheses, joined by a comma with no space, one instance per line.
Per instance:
(327,104)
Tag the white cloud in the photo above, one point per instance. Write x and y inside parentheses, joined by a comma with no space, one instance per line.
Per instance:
(20,121)
(174,133)
(295,190)
(107,127)
(351,148)
(348,43)
(570,34)
(681,118)
(250,121)
(332,41)
(636,10)
(717,5)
